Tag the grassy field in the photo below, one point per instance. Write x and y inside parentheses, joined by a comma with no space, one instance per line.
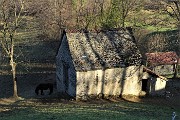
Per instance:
(56,109)
(53,107)
(36,61)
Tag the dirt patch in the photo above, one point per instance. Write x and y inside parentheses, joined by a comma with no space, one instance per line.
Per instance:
(7,101)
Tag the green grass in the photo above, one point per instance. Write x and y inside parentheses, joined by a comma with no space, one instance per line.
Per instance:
(87,111)
(39,53)
(35,56)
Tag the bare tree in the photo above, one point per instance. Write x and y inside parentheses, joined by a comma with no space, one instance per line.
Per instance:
(88,14)
(122,8)
(157,43)
(52,16)
(11,12)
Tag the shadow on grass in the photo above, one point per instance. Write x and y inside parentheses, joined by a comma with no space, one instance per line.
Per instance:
(58,110)
(26,84)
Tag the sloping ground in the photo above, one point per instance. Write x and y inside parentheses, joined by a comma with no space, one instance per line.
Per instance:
(173,86)
(37,63)
(33,57)
(55,109)
(40,69)
(162,41)
(26,84)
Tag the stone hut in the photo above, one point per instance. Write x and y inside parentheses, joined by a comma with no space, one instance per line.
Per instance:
(163,63)
(95,63)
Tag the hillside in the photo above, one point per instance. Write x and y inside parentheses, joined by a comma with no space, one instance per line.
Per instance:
(160,41)
(37,39)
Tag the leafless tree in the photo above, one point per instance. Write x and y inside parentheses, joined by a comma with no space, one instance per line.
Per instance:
(11,15)
(52,16)
(157,43)
(120,9)
(87,13)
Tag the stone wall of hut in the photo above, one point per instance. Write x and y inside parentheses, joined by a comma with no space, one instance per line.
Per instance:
(65,70)
(109,82)
(156,86)
(165,69)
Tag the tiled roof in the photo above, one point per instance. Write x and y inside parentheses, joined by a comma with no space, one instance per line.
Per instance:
(104,49)
(162,58)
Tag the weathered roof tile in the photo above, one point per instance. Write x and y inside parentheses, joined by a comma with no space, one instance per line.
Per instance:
(162,58)
(105,49)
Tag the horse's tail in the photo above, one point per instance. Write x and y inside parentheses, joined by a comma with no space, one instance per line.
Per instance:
(36,90)
(50,88)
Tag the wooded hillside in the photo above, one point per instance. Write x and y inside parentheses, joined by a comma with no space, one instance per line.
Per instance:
(30,22)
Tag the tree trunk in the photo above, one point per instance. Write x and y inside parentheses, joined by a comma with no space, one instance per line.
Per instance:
(13,66)
(175,70)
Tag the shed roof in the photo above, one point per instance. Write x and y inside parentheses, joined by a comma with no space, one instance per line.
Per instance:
(145,69)
(103,49)
(162,58)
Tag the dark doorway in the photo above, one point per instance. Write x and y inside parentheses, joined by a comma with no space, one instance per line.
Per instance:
(66,77)
(144,85)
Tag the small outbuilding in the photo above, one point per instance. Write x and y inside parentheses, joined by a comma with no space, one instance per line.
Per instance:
(163,63)
(95,63)
(152,83)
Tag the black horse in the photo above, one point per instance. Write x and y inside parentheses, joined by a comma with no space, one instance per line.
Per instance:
(44,86)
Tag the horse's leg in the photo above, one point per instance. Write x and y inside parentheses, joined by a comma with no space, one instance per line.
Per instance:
(42,93)
(51,90)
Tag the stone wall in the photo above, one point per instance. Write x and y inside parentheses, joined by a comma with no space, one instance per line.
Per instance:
(109,82)
(83,57)
(164,69)
(65,70)
(156,86)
